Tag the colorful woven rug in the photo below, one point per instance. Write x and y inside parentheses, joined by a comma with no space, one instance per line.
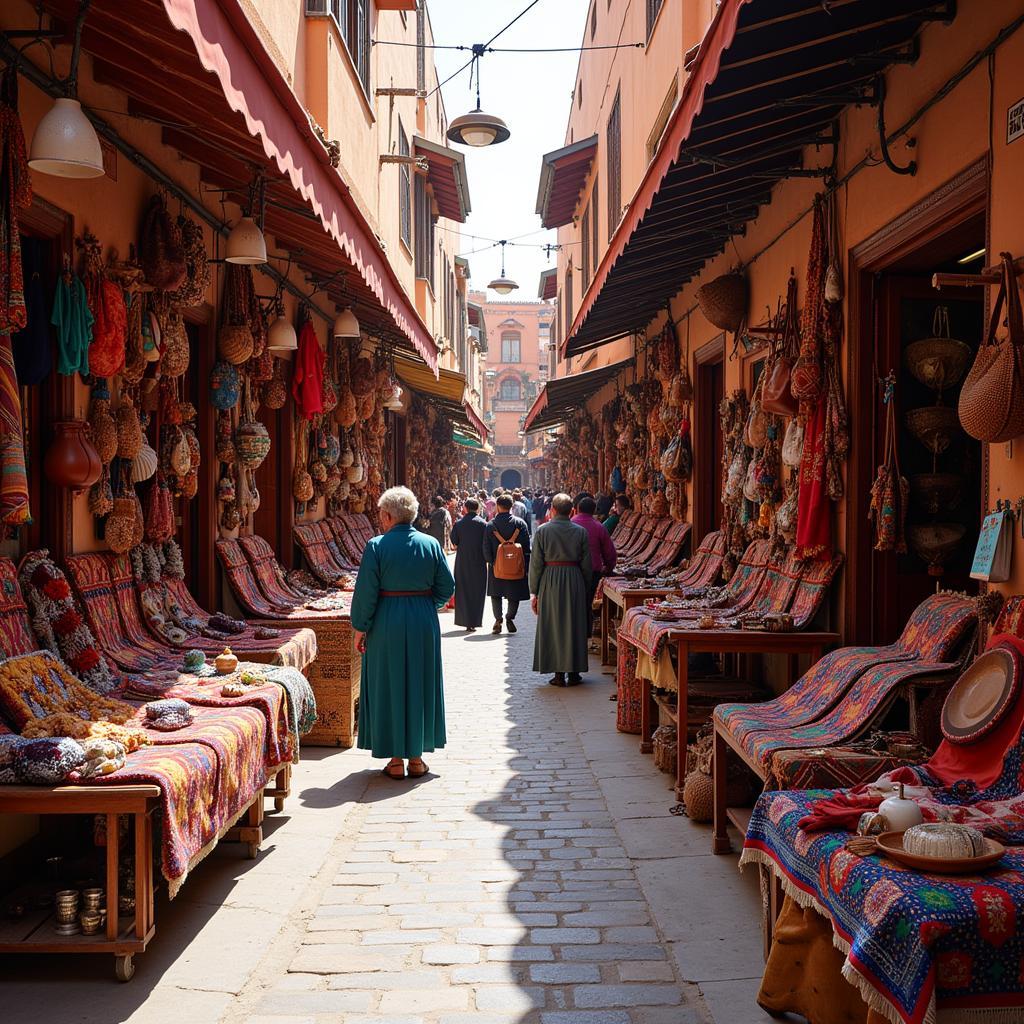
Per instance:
(917,946)
(630,691)
(16,635)
(933,633)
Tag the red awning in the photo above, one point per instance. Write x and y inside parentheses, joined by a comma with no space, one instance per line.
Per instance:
(562,174)
(548,287)
(768,82)
(233,110)
(447,177)
(478,424)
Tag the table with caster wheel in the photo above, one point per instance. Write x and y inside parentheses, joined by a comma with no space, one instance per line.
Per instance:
(124,935)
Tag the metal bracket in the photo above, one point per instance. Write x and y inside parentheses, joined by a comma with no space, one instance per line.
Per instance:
(883,142)
(908,55)
(397,91)
(418,163)
(842,98)
(946,13)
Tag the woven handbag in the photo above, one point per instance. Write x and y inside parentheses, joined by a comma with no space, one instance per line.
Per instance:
(991,403)
(723,301)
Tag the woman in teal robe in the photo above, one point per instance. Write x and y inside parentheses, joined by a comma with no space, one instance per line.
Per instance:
(403,580)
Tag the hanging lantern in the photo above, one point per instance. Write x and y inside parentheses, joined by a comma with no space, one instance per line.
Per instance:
(346,325)
(66,144)
(281,336)
(478,128)
(503,285)
(246,244)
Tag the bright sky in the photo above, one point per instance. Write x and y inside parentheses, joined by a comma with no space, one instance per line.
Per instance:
(531,92)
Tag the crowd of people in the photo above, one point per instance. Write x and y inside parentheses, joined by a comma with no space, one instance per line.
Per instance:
(546,548)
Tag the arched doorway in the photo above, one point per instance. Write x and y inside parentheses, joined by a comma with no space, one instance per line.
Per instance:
(511,478)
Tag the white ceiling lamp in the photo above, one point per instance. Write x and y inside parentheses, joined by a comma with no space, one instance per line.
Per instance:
(394,401)
(65,144)
(503,285)
(246,244)
(478,128)
(281,336)
(346,325)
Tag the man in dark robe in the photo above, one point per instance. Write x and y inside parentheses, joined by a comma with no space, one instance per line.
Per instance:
(513,591)
(561,572)
(470,568)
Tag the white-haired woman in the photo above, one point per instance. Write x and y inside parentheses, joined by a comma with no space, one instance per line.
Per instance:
(403,579)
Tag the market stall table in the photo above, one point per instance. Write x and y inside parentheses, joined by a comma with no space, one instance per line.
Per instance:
(718,641)
(621,593)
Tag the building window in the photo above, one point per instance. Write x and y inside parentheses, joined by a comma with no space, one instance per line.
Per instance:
(511,390)
(595,216)
(653,7)
(568,303)
(614,143)
(579,94)
(510,348)
(585,245)
(424,225)
(404,188)
(353,20)
(593,20)
(661,121)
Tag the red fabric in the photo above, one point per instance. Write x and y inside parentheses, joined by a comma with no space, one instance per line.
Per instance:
(814,525)
(308,375)
(841,811)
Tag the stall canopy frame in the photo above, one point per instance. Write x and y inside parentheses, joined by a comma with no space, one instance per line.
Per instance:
(446,391)
(561,397)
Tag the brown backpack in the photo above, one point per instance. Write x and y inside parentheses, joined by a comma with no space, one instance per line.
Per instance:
(509,562)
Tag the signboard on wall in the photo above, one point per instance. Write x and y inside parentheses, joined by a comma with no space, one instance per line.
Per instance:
(1015,121)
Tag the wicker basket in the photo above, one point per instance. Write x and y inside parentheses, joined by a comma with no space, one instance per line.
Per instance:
(723,301)
(934,426)
(235,343)
(104,431)
(937,491)
(175,355)
(252,444)
(938,362)
(120,529)
(345,412)
(275,394)
(129,430)
(302,484)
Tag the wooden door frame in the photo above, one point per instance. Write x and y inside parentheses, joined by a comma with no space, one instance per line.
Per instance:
(704,471)
(962,197)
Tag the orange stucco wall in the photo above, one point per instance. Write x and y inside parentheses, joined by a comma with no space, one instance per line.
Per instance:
(950,137)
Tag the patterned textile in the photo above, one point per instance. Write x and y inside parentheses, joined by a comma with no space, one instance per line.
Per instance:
(742,588)
(15,628)
(1011,618)
(821,768)
(348,537)
(629,686)
(855,711)
(125,586)
(274,585)
(779,585)
(339,557)
(669,550)
(317,554)
(933,633)
(812,590)
(916,944)
(706,564)
(40,696)
(208,773)
(91,580)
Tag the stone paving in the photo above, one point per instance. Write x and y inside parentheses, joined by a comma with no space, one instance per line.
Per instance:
(536,877)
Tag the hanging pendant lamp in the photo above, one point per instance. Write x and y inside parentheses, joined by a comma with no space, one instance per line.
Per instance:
(503,285)
(65,144)
(246,244)
(281,336)
(478,128)
(346,325)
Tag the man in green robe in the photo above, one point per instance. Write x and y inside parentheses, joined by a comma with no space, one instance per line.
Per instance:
(403,580)
(560,577)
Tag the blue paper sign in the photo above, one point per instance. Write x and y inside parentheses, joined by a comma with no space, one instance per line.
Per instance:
(988,542)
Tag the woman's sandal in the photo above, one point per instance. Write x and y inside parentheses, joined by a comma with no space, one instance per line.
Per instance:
(394,771)
(418,772)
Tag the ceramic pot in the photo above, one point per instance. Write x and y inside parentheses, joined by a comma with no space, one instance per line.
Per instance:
(72,460)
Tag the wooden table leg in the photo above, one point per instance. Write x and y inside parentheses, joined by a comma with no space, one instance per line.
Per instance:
(719,774)
(646,724)
(605,625)
(113,839)
(682,713)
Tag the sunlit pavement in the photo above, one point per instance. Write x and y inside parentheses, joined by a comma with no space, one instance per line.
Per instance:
(535,876)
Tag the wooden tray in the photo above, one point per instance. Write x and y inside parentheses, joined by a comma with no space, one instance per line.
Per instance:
(891,844)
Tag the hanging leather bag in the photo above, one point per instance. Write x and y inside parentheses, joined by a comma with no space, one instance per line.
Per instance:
(777,395)
(991,403)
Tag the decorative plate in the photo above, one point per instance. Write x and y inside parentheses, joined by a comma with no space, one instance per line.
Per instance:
(891,844)
(981,696)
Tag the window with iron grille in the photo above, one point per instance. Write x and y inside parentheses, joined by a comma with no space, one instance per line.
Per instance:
(404,188)
(653,7)
(568,303)
(585,245)
(510,348)
(511,390)
(614,143)
(595,216)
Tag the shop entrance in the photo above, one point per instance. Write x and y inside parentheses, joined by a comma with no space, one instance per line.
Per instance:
(511,479)
(709,390)
(901,315)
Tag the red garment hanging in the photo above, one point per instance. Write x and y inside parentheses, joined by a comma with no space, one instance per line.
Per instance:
(308,375)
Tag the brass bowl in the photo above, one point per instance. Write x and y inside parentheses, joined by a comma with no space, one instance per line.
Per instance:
(936,491)
(934,426)
(938,363)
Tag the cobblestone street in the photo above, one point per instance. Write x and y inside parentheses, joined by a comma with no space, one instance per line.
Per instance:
(536,877)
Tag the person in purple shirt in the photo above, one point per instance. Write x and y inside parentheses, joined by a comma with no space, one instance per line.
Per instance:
(602,550)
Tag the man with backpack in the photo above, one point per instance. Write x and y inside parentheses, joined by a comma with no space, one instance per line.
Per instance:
(507,554)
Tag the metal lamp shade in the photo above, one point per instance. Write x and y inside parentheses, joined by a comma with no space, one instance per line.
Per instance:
(503,285)
(345,324)
(246,243)
(478,129)
(281,336)
(66,144)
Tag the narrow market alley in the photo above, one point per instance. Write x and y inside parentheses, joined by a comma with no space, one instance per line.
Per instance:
(537,876)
